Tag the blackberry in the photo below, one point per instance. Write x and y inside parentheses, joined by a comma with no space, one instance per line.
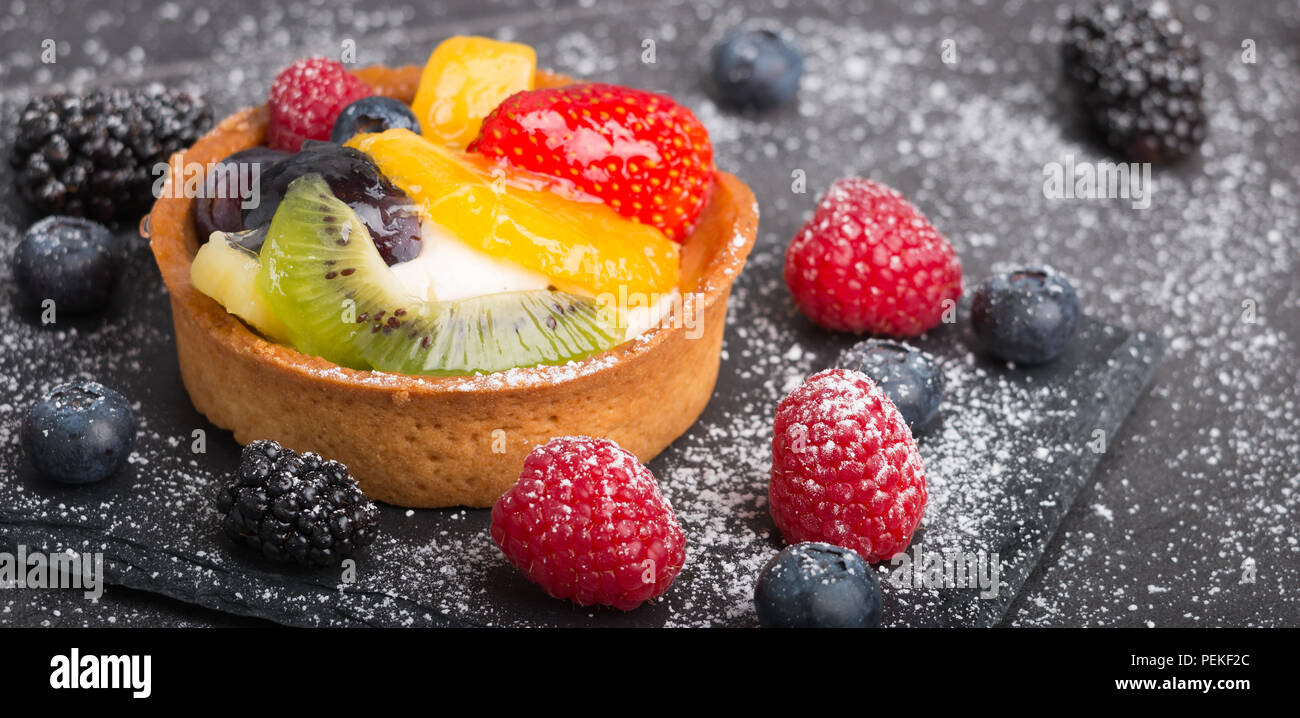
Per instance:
(297,507)
(93,155)
(1139,77)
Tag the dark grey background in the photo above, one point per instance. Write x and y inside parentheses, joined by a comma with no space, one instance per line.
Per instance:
(1205,473)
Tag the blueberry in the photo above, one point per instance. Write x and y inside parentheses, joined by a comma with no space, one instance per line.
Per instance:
(1027,316)
(817,585)
(74,261)
(907,375)
(78,433)
(373,114)
(757,68)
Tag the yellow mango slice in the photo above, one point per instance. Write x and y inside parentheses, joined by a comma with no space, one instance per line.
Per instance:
(464,80)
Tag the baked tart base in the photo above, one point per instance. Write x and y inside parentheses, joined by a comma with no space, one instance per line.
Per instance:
(430,442)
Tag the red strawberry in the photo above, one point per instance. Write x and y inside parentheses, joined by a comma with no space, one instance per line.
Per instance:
(643,154)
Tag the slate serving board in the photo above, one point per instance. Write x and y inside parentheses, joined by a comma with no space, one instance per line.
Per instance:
(158,530)
(1006,460)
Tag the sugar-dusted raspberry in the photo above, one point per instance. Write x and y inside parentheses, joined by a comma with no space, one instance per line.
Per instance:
(586,522)
(845,469)
(305,99)
(868,261)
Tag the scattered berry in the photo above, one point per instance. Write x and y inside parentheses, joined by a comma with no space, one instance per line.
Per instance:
(372,114)
(845,469)
(93,155)
(868,261)
(296,507)
(305,99)
(1139,78)
(757,68)
(71,260)
(817,585)
(1027,316)
(907,375)
(226,212)
(643,154)
(586,522)
(79,433)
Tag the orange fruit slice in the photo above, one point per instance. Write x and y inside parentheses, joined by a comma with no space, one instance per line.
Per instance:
(577,241)
(464,80)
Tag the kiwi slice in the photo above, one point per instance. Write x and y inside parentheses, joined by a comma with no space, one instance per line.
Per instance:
(489,333)
(319,268)
(338,299)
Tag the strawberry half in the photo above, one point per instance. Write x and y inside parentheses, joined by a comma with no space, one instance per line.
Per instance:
(643,154)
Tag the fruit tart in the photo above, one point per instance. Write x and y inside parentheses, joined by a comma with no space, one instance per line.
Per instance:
(432,270)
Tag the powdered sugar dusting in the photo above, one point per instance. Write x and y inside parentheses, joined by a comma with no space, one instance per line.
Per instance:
(1197,493)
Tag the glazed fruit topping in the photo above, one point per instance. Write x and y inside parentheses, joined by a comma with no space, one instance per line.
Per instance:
(643,154)
(372,114)
(586,522)
(323,278)
(306,98)
(464,80)
(515,215)
(226,270)
(387,212)
(225,213)
(868,261)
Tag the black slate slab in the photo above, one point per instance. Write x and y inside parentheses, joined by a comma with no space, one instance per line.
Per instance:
(1005,462)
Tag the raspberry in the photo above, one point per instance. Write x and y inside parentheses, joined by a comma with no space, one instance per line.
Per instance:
(586,522)
(868,261)
(305,99)
(845,469)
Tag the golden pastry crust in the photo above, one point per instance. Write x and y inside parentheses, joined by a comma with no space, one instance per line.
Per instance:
(448,441)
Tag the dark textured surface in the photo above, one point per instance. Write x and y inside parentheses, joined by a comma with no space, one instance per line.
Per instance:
(1202,477)
(174,547)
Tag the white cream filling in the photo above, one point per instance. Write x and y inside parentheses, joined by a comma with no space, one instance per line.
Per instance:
(448,269)
(642,319)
